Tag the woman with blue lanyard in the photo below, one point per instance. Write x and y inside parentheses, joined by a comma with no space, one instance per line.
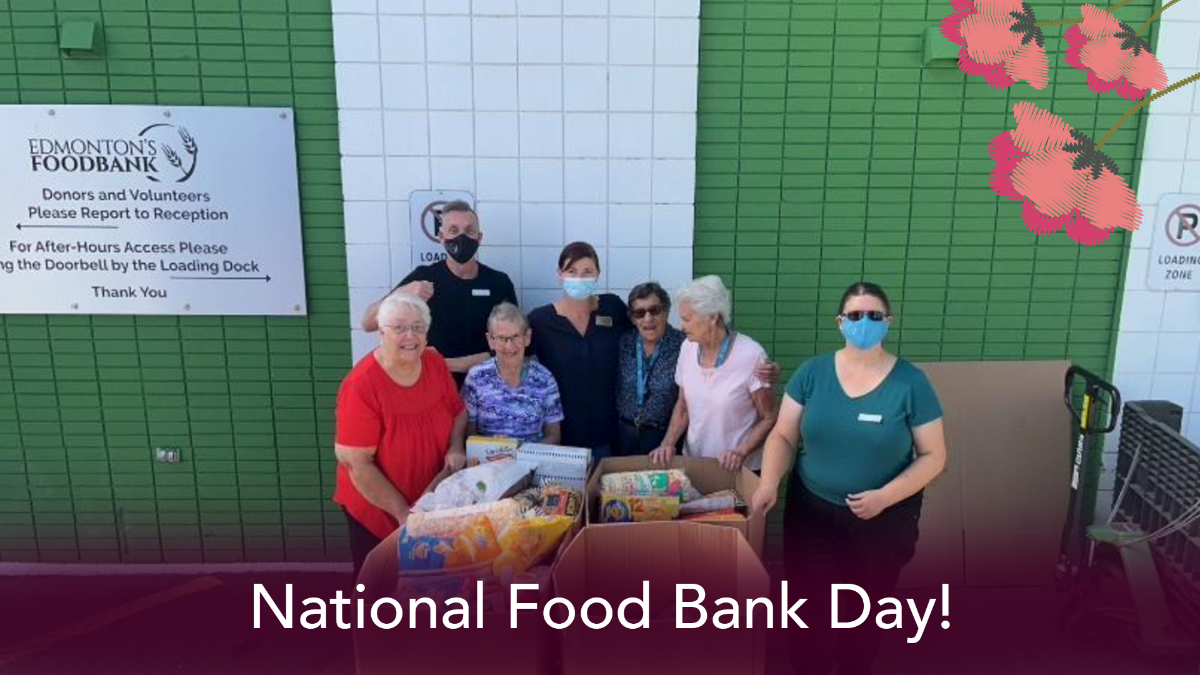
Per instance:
(873,439)
(724,407)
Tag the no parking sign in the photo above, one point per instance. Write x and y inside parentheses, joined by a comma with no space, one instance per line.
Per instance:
(1175,253)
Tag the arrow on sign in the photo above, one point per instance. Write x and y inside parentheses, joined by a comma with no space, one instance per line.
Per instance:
(67,227)
(266,278)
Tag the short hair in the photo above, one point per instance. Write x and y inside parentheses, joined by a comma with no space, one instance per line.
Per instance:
(649,289)
(459,206)
(506,311)
(707,296)
(576,251)
(392,304)
(865,288)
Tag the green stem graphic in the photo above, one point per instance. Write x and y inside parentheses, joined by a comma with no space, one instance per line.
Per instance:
(1129,113)
(1154,16)
(1117,6)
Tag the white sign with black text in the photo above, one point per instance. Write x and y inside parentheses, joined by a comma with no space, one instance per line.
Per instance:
(1175,253)
(149,210)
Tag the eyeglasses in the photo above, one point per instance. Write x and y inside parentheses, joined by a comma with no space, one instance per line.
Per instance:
(415,329)
(506,340)
(874,315)
(641,312)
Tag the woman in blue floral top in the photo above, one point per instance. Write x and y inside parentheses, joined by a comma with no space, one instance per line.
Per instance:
(646,391)
(508,395)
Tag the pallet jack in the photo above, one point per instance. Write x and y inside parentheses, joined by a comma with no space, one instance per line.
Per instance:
(1108,570)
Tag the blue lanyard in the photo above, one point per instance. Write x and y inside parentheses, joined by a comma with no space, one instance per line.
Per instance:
(722,354)
(643,370)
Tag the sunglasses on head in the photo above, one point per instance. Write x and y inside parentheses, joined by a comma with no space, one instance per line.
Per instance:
(641,312)
(873,315)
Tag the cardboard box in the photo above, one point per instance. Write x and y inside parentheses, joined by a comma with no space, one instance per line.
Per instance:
(532,648)
(706,475)
(611,562)
(995,516)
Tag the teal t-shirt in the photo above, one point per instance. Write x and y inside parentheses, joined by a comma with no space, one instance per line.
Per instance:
(856,444)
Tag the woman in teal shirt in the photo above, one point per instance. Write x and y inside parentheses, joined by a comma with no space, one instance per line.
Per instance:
(873,439)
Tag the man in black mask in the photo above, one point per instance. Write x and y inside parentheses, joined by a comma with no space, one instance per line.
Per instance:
(460,290)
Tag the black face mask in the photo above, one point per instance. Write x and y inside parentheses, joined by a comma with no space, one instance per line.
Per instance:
(462,248)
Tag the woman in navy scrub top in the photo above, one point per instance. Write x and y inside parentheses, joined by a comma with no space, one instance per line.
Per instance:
(577,338)
(873,439)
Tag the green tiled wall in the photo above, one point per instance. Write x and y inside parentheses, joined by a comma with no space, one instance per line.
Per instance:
(827,153)
(249,400)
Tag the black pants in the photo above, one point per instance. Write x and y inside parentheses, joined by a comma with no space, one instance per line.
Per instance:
(827,544)
(362,542)
(632,441)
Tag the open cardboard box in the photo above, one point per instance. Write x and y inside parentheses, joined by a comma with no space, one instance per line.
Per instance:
(496,649)
(706,476)
(612,562)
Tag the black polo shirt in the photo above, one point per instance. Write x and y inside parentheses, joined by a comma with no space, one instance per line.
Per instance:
(460,307)
(585,367)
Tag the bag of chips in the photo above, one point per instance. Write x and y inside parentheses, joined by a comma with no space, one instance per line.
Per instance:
(527,540)
(475,544)
(451,522)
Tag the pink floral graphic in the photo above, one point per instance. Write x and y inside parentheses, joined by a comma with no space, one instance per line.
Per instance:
(1113,56)
(1061,178)
(1001,42)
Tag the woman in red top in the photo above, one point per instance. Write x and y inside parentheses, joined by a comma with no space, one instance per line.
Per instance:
(400,422)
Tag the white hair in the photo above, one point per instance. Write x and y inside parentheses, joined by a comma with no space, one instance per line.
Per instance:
(707,296)
(506,311)
(392,304)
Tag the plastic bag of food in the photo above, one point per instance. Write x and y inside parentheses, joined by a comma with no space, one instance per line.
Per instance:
(716,501)
(653,483)
(636,508)
(527,540)
(452,522)
(477,485)
(473,545)
(559,500)
(529,499)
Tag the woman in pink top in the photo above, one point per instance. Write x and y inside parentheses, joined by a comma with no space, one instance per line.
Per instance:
(724,408)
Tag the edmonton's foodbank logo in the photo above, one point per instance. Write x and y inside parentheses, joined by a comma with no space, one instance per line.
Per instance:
(163,153)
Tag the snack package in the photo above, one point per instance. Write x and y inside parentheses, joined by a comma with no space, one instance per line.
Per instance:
(654,483)
(716,501)
(637,509)
(484,449)
(475,544)
(450,523)
(477,485)
(559,500)
(527,540)
(714,516)
(529,499)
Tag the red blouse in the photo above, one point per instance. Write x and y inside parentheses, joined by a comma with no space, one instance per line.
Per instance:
(409,427)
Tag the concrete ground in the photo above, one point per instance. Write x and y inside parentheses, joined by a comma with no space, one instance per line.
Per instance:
(151,625)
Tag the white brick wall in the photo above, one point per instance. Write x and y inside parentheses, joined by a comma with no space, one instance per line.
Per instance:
(1158,342)
(567,119)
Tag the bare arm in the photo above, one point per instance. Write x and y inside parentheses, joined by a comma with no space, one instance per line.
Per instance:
(456,454)
(930,440)
(764,403)
(675,430)
(552,434)
(370,320)
(370,481)
(778,454)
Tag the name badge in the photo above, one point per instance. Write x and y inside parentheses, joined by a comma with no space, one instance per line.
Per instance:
(605,321)
(481,292)
(874,419)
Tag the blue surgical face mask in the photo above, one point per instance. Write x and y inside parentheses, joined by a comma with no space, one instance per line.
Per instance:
(579,288)
(864,334)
